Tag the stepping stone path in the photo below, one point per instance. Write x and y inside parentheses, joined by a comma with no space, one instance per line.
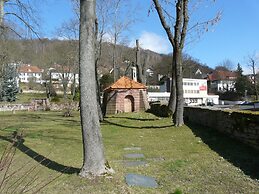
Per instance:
(135,163)
(136,179)
(140,180)
(132,148)
(134,156)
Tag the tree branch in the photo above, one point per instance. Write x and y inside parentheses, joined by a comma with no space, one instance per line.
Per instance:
(163,22)
(25,23)
(185,23)
(178,23)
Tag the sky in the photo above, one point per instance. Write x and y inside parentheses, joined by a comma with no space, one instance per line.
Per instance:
(234,37)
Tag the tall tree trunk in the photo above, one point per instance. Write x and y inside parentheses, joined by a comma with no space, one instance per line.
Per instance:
(141,68)
(256,91)
(98,94)
(172,99)
(137,62)
(73,91)
(64,83)
(178,114)
(177,40)
(254,79)
(98,53)
(94,161)
(1,12)
(1,17)
(114,61)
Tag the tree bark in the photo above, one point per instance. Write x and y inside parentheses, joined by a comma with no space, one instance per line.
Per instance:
(73,91)
(114,61)
(138,65)
(254,79)
(2,2)
(64,84)
(178,114)
(98,95)
(1,12)
(172,99)
(177,40)
(98,52)
(94,161)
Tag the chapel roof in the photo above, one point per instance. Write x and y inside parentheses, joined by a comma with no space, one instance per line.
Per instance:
(125,83)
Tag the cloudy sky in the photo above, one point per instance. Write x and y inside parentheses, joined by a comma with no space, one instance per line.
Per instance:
(234,38)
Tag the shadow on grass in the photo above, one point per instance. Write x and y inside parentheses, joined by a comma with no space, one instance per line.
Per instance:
(130,118)
(135,127)
(42,159)
(235,152)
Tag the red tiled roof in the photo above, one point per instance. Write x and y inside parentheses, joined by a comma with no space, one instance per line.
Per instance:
(222,75)
(125,83)
(30,69)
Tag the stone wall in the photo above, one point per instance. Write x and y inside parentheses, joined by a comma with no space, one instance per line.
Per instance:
(15,107)
(241,126)
(38,106)
(111,104)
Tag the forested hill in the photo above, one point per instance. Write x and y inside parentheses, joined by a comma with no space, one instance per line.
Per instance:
(44,53)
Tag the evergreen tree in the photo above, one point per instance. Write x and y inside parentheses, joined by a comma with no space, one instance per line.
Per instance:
(242,85)
(9,84)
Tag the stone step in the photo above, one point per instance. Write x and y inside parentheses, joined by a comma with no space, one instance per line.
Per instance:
(141,181)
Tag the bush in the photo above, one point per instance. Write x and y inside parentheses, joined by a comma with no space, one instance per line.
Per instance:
(230,95)
(77,95)
(55,99)
(159,109)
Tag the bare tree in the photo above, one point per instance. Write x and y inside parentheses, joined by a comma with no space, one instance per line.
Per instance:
(69,31)
(177,37)
(118,24)
(226,65)
(2,2)
(20,13)
(252,63)
(177,41)
(141,67)
(18,18)
(101,24)
(94,160)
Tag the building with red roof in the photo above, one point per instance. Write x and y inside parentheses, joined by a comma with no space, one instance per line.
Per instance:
(221,81)
(30,73)
(125,95)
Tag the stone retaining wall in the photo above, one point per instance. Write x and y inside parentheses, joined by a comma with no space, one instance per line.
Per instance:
(241,126)
(34,106)
(14,107)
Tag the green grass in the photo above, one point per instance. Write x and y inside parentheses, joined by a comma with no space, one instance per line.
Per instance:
(183,160)
(28,97)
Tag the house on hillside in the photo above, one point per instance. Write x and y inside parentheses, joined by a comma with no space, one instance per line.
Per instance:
(60,74)
(27,73)
(125,95)
(221,81)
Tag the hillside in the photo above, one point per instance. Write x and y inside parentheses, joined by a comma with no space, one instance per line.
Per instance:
(45,53)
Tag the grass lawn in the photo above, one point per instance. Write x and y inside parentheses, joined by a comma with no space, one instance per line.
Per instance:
(28,97)
(191,159)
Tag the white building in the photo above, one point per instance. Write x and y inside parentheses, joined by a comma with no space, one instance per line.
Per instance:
(195,92)
(58,74)
(222,81)
(27,73)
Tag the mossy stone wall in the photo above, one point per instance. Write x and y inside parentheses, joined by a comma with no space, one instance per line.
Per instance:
(239,125)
